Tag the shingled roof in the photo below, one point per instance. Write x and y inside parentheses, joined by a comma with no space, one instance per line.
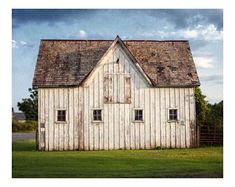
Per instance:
(68,62)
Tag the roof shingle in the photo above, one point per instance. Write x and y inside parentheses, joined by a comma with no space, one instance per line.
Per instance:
(67,62)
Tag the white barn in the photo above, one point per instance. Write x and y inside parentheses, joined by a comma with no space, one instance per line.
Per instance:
(114,94)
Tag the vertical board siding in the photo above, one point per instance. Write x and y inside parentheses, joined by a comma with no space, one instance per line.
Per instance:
(168,124)
(71,119)
(117,89)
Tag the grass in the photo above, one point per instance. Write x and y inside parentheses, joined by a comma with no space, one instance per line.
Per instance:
(177,163)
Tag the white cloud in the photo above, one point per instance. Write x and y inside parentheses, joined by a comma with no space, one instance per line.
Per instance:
(190,34)
(208,33)
(82,33)
(14,44)
(203,62)
(23,43)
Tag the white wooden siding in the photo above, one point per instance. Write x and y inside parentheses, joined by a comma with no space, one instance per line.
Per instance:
(117,130)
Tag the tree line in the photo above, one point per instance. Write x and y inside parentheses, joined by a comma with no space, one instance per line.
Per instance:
(208,114)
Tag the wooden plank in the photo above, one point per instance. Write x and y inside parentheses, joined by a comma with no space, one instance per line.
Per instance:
(106,89)
(127,126)
(128,90)
(106,127)
(152,113)
(90,114)
(60,126)
(147,119)
(182,118)
(173,124)
(158,117)
(116,125)
(46,108)
(163,117)
(192,117)
(85,117)
(71,118)
(56,129)
(110,124)
(106,114)
(115,88)
(168,124)
(122,127)
(187,128)
(96,126)
(42,119)
(80,120)
(136,93)
(131,89)
(101,105)
(178,126)
(66,125)
(142,125)
(75,119)
(51,119)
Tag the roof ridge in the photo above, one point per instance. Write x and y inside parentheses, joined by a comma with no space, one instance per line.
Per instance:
(75,40)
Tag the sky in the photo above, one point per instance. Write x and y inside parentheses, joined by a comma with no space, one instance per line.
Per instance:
(202,27)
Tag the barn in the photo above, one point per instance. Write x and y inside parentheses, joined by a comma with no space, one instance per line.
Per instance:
(115,94)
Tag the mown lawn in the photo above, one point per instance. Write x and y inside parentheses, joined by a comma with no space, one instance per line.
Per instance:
(199,162)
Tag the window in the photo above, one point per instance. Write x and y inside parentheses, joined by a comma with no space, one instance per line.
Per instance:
(138,115)
(97,115)
(173,114)
(61,115)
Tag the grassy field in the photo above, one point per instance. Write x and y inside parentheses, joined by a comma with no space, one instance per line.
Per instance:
(200,162)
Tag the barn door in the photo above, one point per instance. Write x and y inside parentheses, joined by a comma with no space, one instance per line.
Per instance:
(117,88)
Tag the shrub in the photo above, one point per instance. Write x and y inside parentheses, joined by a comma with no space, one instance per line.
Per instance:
(27,126)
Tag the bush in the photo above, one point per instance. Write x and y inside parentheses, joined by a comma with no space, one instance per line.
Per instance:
(27,126)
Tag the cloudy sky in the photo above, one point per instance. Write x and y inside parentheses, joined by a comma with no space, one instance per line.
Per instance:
(203,28)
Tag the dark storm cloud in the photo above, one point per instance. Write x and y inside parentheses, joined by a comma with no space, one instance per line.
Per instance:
(184,18)
(50,16)
(180,18)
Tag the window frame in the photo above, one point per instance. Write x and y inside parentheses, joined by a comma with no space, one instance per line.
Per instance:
(66,115)
(134,119)
(92,116)
(177,115)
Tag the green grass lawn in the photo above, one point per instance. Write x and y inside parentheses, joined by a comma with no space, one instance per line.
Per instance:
(198,162)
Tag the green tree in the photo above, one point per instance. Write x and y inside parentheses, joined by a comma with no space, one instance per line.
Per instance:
(30,105)
(202,109)
(216,114)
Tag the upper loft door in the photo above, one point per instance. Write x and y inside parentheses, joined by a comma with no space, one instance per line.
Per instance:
(117,88)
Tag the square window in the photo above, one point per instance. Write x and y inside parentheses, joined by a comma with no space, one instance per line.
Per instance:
(138,115)
(97,115)
(61,115)
(173,114)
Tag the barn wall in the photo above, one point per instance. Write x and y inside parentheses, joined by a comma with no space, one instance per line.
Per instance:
(118,130)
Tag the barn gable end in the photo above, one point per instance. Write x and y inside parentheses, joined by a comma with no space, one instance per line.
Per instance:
(115,95)
(113,56)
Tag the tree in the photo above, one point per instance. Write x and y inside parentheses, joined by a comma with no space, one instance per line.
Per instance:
(30,105)
(216,114)
(202,109)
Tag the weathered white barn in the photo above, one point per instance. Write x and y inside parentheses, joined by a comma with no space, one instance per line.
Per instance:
(114,94)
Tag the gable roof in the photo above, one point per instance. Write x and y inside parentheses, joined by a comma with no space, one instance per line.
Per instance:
(68,62)
(128,53)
